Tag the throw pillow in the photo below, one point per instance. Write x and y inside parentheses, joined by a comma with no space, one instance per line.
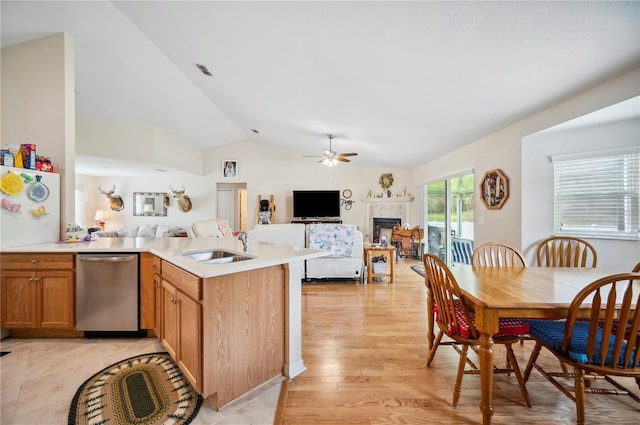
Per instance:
(147,231)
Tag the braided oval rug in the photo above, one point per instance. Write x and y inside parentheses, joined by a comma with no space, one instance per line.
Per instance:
(142,390)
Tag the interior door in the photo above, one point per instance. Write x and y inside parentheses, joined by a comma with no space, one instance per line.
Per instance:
(226,206)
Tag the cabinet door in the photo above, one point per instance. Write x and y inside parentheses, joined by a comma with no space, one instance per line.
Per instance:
(157,319)
(19,299)
(147,292)
(190,313)
(170,318)
(57,302)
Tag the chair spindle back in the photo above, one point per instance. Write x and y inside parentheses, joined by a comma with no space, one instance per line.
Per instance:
(446,294)
(497,254)
(566,251)
(612,299)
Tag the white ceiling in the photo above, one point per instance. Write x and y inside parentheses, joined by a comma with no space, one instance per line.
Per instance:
(397,82)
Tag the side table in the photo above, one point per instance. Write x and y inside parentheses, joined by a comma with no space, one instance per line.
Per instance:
(370,251)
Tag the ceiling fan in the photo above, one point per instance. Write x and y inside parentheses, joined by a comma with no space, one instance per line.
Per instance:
(330,157)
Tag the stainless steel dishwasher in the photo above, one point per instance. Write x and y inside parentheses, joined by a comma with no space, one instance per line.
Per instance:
(107,293)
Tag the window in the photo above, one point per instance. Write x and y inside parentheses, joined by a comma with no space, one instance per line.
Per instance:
(449,217)
(597,196)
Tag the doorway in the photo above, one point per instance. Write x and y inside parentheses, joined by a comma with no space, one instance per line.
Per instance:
(449,218)
(231,204)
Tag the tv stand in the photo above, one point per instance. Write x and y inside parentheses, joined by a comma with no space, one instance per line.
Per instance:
(305,220)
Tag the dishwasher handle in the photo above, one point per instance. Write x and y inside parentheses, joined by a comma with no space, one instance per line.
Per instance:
(112,259)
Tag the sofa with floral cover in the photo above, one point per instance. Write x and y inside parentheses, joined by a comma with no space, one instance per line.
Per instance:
(144,231)
(344,242)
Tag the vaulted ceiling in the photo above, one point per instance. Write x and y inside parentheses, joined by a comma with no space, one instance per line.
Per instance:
(397,82)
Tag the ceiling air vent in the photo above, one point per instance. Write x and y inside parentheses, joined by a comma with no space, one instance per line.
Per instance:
(204,70)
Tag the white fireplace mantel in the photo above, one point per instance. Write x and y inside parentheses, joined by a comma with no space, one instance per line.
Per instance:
(392,207)
(391,200)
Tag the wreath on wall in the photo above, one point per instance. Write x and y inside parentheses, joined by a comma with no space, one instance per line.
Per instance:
(386,180)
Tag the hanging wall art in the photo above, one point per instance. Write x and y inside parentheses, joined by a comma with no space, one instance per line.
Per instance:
(494,189)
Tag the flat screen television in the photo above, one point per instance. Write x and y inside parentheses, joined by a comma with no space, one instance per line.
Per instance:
(316,203)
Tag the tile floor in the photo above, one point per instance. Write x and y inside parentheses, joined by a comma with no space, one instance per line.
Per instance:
(40,377)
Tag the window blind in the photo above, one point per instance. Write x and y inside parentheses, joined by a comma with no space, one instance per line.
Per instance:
(598,197)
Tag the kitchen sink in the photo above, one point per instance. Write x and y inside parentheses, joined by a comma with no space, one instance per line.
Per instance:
(216,256)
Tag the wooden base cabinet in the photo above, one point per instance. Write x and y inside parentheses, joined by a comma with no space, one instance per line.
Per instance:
(181,315)
(243,332)
(38,291)
(226,333)
(151,293)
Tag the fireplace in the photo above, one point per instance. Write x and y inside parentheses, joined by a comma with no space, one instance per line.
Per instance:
(384,223)
(394,208)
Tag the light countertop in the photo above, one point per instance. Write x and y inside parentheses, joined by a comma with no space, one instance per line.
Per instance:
(171,249)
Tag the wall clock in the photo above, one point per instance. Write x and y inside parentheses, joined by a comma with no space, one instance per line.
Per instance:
(494,189)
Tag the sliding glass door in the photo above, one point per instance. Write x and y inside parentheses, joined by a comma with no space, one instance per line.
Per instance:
(449,218)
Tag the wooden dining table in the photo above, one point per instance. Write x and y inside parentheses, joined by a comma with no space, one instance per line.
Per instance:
(526,292)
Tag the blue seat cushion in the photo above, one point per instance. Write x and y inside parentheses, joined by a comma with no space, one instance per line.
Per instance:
(551,333)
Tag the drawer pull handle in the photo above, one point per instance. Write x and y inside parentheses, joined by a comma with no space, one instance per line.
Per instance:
(35,261)
(174,301)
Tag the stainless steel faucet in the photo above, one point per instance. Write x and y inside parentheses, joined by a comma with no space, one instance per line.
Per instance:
(245,243)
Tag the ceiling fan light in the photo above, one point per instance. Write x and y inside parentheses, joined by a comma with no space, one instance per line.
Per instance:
(329,162)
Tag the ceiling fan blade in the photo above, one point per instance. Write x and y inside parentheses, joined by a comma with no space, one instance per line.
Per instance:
(348,154)
(342,159)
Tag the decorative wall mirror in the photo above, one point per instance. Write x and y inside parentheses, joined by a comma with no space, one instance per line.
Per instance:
(494,189)
(150,203)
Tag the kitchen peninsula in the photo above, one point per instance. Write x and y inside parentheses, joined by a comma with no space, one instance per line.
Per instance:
(230,327)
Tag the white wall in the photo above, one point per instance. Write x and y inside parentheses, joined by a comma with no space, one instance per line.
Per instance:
(537,180)
(200,189)
(502,150)
(265,169)
(268,170)
(137,142)
(38,105)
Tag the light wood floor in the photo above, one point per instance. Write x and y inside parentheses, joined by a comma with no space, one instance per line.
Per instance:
(365,350)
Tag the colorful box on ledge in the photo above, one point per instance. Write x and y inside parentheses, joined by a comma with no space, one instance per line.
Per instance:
(28,153)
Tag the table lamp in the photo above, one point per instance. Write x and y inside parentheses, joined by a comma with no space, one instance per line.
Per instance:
(101,217)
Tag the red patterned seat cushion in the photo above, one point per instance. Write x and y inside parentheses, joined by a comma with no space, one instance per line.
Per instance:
(616,324)
(506,326)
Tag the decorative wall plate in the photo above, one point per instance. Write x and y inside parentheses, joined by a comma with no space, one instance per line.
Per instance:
(494,189)
(38,191)
(11,184)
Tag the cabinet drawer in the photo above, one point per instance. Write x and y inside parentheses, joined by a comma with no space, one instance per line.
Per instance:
(157,265)
(37,261)
(184,281)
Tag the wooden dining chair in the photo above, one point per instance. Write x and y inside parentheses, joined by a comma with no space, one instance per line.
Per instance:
(497,254)
(566,251)
(455,319)
(594,348)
